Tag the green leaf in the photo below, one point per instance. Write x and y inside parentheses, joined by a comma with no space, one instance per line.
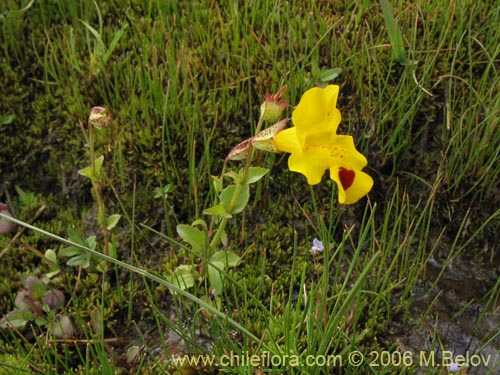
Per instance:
(50,275)
(91,242)
(27,198)
(102,265)
(330,74)
(98,165)
(216,277)
(228,258)
(82,260)
(112,221)
(162,192)
(75,237)
(193,236)
(223,238)
(78,257)
(18,318)
(6,119)
(217,210)
(51,256)
(97,320)
(200,222)
(226,198)
(217,182)
(40,321)
(255,174)
(235,176)
(88,172)
(183,277)
(70,251)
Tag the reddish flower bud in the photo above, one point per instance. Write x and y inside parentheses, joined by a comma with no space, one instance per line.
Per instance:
(273,106)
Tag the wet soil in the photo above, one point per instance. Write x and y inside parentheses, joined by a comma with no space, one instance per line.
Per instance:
(450,322)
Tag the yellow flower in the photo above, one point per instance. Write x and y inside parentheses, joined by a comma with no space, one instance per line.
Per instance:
(315,146)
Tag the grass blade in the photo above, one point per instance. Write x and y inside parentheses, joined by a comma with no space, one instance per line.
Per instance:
(394,32)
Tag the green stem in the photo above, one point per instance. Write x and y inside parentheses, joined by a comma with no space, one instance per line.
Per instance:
(237,192)
(96,186)
(92,151)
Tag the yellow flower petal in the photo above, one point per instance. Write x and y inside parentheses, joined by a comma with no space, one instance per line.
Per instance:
(347,155)
(317,112)
(287,141)
(360,184)
(322,152)
(312,163)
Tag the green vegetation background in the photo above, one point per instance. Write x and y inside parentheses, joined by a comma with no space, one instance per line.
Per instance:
(184,81)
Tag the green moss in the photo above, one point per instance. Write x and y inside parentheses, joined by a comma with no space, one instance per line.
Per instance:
(12,364)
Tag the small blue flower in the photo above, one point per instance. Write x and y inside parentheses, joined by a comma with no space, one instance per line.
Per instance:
(317,247)
(454,367)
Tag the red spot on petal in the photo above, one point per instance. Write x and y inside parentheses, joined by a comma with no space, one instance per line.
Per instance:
(346,177)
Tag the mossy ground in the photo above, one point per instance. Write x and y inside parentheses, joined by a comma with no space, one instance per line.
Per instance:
(184,83)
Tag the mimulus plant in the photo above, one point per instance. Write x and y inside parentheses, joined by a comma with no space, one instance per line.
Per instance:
(314,146)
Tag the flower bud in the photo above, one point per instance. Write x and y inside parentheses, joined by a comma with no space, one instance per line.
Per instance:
(264,140)
(273,107)
(21,302)
(99,117)
(240,151)
(6,226)
(54,299)
(61,328)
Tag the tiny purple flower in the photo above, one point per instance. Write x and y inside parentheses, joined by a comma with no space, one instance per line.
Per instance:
(454,367)
(317,247)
